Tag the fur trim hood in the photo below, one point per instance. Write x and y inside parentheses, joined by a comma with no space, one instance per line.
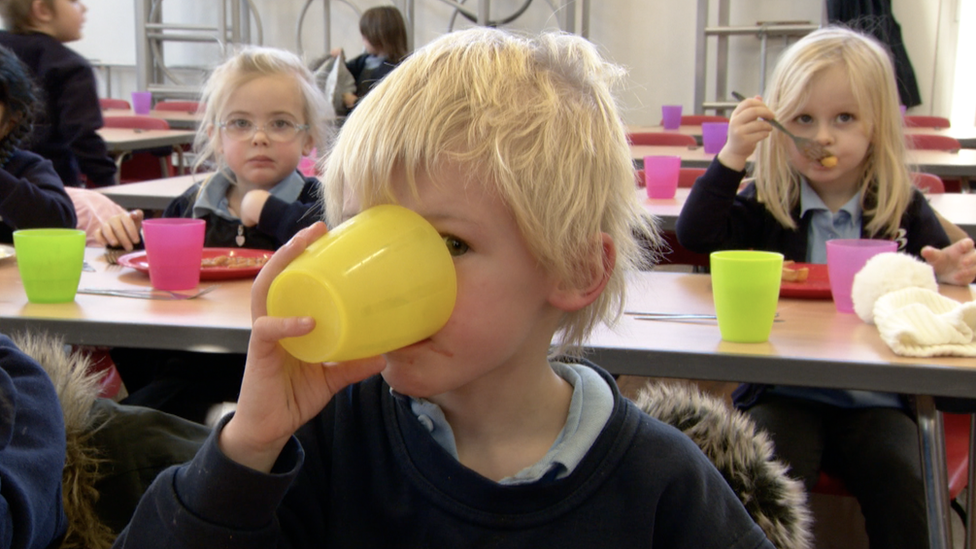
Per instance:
(744,456)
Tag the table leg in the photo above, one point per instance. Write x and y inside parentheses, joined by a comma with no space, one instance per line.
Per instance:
(931,440)
(970,491)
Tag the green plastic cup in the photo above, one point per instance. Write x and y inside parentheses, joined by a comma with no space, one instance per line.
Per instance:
(745,287)
(50,261)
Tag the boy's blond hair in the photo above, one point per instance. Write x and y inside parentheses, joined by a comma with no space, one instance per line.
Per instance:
(534,119)
(248,64)
(886,186)
(16,14)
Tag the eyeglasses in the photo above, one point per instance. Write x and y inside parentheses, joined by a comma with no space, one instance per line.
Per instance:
(242,129)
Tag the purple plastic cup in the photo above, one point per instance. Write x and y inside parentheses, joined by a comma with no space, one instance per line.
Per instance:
(714,135)
(174,249)
(671,116)
(845,257)
(661,175)
(141,102)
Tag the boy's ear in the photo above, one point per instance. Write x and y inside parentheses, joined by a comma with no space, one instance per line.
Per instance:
(40,12)
(599,269)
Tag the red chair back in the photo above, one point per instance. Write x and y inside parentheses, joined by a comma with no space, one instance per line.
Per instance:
(688,176)
(698,119)
(662,139)
(929,182)
(918,121)
(186,106)
(109,103)
(932,142)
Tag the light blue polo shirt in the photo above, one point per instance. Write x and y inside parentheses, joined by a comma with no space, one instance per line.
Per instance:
(826,225)
(589,410)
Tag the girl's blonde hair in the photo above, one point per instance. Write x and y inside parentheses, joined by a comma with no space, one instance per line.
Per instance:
(535,120)
(886,184)
(248,64)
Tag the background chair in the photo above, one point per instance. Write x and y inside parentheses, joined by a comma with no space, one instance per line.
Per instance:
(662,139)
(147,164)
(187,106)
(698,119)
(109,103)
(937,143)
(918,121)
(929,182)
(688,176)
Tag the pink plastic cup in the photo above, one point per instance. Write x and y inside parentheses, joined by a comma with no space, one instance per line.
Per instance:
(671,116)
(174,249)
(661,175)
(845,257)
(141,102)
(714,135)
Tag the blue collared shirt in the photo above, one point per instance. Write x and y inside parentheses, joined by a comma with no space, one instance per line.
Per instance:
(213,194)
(589,411)
(826,225)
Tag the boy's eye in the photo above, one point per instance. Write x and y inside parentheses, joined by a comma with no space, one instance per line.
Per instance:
(455,245)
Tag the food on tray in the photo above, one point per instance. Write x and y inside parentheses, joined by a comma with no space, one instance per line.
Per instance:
(792,274)
(828,161)
(236,262)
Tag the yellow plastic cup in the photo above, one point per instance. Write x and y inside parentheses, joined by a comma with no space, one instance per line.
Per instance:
(50,261)
(378,282)
(745,288)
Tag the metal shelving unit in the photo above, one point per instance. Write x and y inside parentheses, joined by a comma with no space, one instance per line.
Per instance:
(764,31)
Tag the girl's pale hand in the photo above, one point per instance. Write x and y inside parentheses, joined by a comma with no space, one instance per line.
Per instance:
(121,230)
(954,264)
(279,393)
(251,206)
(746,130)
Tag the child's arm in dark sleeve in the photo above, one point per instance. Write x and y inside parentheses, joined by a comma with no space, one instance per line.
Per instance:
(35,197)
(714,217)
(283,219)
(79,117)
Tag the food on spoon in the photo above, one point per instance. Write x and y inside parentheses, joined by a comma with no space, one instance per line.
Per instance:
(828,161)
(791,274)
(236,262)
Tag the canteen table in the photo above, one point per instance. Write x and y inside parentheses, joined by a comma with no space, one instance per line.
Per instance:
(959,208)
(814,345)
(154,194)
(946,164)
(125,140)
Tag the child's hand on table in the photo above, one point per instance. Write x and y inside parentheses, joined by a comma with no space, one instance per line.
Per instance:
(746,130)
(279,393)
(121,230)
(954,264)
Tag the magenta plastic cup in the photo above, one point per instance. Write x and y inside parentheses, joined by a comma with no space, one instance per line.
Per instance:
(174,249)
(671,116)
(714,135)
(141,102)
(845,257)
(661,175)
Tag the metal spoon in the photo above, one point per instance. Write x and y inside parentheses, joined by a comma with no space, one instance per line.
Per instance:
(810,148)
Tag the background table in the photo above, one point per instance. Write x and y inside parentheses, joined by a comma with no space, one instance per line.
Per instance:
(154,194)
(124,140)
(959,208)
(965,136)
(947,164)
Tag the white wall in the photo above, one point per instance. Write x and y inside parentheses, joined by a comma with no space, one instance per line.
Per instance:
(653,39)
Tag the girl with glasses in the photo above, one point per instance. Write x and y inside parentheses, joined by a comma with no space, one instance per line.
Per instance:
(263,114)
